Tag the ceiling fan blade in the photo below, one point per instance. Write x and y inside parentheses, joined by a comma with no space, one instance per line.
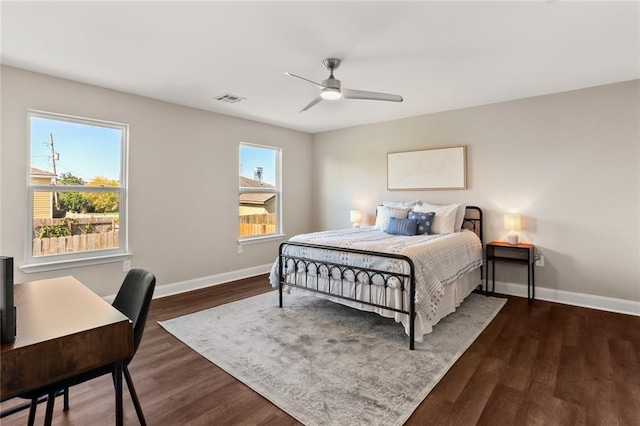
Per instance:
(312,103)
(305,79)
(374,96)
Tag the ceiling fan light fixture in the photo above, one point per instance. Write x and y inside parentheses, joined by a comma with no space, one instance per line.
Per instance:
(330,93)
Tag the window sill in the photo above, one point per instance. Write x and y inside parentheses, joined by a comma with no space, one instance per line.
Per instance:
(265,239)
(73,263)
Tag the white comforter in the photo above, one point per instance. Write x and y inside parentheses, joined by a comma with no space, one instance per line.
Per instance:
(439,259)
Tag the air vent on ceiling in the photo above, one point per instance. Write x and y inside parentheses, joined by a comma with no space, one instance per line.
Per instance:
(231,99)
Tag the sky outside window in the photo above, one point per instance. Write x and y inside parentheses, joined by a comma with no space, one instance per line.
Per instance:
(255,156)
(85,151)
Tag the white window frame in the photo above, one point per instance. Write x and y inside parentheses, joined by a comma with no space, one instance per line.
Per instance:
(83,258)
(278,235)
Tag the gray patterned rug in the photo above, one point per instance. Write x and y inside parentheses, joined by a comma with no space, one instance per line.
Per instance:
(327,364)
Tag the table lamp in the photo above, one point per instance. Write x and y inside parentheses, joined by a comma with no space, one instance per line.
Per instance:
(512,223)
(356,217)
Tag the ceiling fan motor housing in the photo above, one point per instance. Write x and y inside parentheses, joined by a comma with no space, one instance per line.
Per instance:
(331,82)
(331,64)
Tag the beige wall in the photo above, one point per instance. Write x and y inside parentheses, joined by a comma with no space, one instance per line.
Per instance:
(183,166)
(568,162)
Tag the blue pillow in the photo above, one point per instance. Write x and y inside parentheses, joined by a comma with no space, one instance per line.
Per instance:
(425,220)
(401,226)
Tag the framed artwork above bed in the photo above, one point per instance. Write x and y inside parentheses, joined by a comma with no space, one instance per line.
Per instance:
(438,168)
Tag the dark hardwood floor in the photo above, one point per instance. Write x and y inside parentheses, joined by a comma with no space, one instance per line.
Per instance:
(545,364)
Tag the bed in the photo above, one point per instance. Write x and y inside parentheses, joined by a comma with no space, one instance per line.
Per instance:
(420,277)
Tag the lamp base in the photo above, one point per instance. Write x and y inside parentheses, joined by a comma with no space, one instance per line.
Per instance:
(512,238)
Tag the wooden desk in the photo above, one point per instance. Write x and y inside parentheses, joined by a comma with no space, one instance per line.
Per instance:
(63,329)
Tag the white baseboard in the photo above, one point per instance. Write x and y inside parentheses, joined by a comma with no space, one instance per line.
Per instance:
(569,298)
(211,280)
(560,296)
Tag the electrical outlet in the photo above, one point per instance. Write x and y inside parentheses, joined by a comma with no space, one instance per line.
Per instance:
(239,249)
(540,261)
(126,266)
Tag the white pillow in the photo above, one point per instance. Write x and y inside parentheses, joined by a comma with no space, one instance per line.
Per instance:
(462,210)
(384,213)
(444,221)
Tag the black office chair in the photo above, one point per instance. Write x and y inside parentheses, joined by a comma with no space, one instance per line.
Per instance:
(133,300)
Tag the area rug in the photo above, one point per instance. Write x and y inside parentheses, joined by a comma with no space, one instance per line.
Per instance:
(327,364)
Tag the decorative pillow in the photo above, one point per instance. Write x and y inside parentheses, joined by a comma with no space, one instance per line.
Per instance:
(400,204)
(402,226)
(444,221)
(384,213)
(424,222)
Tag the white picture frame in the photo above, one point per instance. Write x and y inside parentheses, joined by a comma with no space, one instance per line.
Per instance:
(428,169)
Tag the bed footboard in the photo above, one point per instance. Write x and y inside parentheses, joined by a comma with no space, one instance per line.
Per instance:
(350,282)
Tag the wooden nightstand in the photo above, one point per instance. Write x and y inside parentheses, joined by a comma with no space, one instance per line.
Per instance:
(519,254)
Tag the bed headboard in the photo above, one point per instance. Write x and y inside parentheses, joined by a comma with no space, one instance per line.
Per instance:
(473,221)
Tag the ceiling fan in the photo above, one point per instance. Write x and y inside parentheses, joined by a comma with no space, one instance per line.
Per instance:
(331,89)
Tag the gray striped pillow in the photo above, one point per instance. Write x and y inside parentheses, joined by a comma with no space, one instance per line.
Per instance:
(401,226)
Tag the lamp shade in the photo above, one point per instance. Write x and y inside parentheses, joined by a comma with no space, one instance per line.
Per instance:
(356,216)
(512,222)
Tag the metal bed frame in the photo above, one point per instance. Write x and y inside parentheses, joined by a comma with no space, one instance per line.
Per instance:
(348,275)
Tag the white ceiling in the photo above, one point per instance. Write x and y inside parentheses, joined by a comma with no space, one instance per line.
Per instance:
(438,55)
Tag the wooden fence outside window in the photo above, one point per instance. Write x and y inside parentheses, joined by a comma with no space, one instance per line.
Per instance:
(87,232)
(75,243)
(257,224)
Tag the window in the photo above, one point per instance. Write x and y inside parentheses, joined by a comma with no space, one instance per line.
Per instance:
(260,194)
(77,191)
